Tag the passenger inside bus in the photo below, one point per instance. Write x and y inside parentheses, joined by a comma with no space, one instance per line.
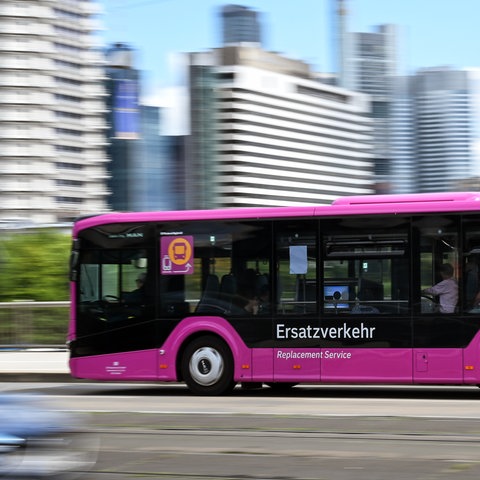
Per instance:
(446,290)
(136,297)
(245,293)
(246,297)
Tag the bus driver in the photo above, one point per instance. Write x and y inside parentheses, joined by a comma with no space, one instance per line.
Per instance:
(446,289)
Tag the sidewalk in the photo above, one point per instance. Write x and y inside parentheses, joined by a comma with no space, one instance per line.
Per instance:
(34,365)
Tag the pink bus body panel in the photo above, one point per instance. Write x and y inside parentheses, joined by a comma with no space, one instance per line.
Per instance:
(432,366)
(471,362)
(296,364)
(262,365)
(438,365)
(141,365)
(367,365)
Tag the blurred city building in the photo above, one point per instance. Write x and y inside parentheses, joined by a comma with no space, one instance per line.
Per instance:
(140,166)
(367,62)
(371,66)
(52,120)
(436,131)
(240,25)
(265,129)
(152,191)
(426,125)
(265,132)
(177,147)
(123,118)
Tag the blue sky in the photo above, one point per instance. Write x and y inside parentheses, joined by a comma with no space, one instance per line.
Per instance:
(431,32)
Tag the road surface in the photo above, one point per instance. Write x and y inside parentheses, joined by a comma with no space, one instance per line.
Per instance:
(365,433)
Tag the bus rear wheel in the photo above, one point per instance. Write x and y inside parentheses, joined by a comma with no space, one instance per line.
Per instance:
(207,366)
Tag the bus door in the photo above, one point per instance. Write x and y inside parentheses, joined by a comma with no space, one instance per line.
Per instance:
(470,299)
(365,322)
(438,323)
(296,356)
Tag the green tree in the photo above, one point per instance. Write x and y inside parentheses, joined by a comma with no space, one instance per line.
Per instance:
(34,266)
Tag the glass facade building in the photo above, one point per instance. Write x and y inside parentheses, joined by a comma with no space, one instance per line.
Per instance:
(139,165)
(370,65)
(240,25)
(442,107)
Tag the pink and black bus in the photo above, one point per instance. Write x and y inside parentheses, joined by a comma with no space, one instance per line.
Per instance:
(279,296)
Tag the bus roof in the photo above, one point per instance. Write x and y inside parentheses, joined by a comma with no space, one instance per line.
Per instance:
(355,205)
(411,198)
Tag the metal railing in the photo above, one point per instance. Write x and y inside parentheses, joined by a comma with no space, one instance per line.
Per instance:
(28,324)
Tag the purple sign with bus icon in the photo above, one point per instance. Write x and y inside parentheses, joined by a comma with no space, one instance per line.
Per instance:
(176,254)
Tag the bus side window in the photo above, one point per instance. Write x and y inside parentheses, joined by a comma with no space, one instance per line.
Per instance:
(366,267)
(296,252)
(114,286)
(173,301)
(229,259)
(438,247)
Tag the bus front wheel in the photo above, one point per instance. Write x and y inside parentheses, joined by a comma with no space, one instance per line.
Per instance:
(207,366)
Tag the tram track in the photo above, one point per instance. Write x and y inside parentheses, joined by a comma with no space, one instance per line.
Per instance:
(401,437)
(278,455)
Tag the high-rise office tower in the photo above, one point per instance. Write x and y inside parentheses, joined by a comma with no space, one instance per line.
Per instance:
(265,133)
(139,165)
(440,147)
(123,86)
(402,178)
(52,121)
(370,65)
(240,25)
(338,18)
(154,168)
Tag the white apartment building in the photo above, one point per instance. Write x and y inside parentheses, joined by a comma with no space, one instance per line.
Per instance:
(52,112)
(265,133)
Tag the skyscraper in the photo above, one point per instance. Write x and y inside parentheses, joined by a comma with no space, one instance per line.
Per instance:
(338,18)
(265,133)
(139,166)
(124,122)
(154,168)
(370,65)
(426,127)
(402,177)
(442,106)
(240,25)
(52,161)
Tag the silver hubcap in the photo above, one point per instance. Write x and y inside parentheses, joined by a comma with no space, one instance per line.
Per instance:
(206,366)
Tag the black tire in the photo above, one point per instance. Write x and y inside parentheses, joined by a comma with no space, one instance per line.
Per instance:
(207,366)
